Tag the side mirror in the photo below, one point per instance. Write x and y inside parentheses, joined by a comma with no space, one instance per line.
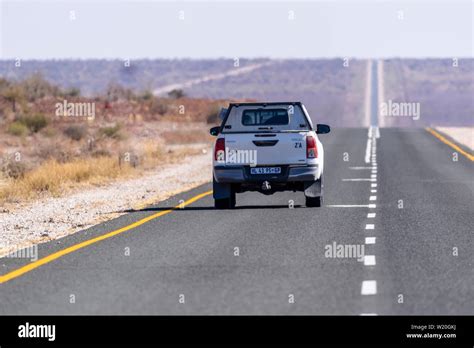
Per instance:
(214,131)
(322,129)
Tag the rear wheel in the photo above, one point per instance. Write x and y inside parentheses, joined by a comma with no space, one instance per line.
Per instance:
(224,196)
(225,203)
(314,193)
(314,201)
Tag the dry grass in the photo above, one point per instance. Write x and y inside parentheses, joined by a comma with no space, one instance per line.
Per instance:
(52,177)
(186,137)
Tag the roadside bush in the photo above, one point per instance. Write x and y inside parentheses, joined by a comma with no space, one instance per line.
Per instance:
(72,92)
(49,132)
(111,132)
(101,153)
(14,169)
(17,128)
(213,115)
(157,107)
(33,122)
(75,132)
(51,151)
(146,95)
(176,94)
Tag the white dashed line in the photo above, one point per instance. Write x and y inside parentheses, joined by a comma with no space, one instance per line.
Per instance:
(349,205)
(369,260)
(367,150)
(360,168)
(360,179)
(369,314)
(369,287)
(369,240)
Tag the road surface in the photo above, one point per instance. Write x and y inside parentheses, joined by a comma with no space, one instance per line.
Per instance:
(418,245)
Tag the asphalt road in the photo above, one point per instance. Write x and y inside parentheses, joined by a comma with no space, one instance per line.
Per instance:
(190,251)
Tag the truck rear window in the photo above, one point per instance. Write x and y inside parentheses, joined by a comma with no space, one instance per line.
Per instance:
(265,117)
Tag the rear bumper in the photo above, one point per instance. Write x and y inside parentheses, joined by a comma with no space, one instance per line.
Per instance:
(290,173)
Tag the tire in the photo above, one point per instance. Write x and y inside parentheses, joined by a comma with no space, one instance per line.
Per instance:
(314,193)
(225,203)
(224,196)
(314,202)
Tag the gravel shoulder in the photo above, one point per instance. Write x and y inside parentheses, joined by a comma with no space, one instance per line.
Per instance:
(463,135)
(55,217)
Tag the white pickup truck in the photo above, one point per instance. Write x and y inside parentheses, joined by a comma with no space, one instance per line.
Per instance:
(267,147)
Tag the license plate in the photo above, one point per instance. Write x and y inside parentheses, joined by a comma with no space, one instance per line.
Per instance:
(265,170)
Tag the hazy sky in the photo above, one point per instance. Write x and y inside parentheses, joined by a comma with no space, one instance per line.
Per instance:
(213,29)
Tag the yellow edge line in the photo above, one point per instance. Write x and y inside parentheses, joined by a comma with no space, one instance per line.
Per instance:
(31,266)
(447,142)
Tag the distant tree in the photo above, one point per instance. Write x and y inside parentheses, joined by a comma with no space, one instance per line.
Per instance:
(13,94)
(4,83)
(116,92)
(36,87)
(72,92)
(146,95)
(176,94)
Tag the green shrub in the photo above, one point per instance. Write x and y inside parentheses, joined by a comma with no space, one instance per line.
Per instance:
(17,128)
(146,95)
(111,132)
(75,132)
(73,92)
(176,94)
(33,122)
(49,132)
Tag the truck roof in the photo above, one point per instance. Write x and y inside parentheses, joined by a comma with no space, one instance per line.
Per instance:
(265,103)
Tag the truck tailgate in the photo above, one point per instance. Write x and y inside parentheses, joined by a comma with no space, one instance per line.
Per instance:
(268,148)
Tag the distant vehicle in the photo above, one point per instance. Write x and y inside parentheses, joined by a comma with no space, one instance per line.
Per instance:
(267,147)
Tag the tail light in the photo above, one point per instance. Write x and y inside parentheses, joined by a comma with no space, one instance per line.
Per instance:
(311,148)
(219,150)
